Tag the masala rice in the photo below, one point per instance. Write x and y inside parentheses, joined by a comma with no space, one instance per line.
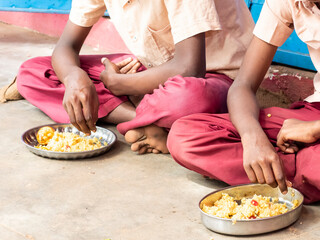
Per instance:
(250,208)
(70,142)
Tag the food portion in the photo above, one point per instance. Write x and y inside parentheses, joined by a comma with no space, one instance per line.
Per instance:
(51,140)
(250,208)
(44,135)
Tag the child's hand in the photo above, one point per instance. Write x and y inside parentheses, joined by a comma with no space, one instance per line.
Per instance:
(262,163)
(81,101)
(109,75)
(112,78)
(115,76)
(110,67)
(128,65)
(294,130)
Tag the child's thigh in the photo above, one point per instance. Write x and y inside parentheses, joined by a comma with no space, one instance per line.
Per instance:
(196,95)
(272,118)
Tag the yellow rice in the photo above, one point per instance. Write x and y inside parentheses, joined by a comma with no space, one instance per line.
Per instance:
(250,208)
(70,142)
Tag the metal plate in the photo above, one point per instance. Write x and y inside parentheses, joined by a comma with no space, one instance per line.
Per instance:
(252,226)
(30,140)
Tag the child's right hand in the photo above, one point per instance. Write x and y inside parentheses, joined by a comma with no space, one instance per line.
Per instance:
(262,163)
(128,65)
(81,101)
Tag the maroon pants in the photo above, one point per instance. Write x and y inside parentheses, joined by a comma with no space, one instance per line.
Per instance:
(210,145)
(180,96)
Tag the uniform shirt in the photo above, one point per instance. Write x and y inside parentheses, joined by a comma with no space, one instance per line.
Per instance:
(151,28)
(277,20)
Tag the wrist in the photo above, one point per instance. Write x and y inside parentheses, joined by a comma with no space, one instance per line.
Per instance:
(108,76)
(253,136)
(76,76)
(114,82)
(316,129)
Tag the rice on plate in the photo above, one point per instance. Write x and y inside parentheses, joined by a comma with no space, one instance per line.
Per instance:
(250,208)
(52,140)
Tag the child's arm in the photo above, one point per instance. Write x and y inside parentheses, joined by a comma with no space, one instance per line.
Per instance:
(294,130)
(80,98)
(189,60)
(260,160)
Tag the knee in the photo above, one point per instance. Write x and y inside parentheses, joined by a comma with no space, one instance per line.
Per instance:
(176,143)
(190,134)
(32,67)
(32,70)
(36,62)
(188,95)
(183,138)
(186,87)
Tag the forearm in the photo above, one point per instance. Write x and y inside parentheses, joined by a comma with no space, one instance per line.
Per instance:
(242,102)
(189,61)
(145,82)
(244,112)
(65,57)
(65,62)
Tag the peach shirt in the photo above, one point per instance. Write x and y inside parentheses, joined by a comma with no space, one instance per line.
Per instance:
(277,20)
(151,28)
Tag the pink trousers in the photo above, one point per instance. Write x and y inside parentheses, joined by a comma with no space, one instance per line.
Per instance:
(210,145)
(180,96)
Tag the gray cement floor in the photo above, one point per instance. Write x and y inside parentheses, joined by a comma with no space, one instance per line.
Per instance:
(119,195)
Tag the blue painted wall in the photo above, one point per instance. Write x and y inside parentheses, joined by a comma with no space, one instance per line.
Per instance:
(294,52)
(42,6)
(46,6)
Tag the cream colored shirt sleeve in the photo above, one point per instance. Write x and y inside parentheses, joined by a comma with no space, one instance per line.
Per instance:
(275,23)
(86,13)
(191,17)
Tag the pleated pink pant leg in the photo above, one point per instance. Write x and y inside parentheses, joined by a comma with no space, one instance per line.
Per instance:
(178,97)
(210,145)
(38,83)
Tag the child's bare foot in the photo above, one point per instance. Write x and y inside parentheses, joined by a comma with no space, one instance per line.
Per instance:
(149,139)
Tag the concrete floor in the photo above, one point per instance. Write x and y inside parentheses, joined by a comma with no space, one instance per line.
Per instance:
(119,195)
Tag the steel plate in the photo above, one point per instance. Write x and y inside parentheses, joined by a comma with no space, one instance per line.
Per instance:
(252,226)
(30,140)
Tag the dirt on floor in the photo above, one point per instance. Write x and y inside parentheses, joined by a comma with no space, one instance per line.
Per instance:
(284,85)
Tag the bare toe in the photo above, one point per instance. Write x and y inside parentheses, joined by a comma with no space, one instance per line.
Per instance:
(155,151)
(134,135)
(137,146)
(143,150)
